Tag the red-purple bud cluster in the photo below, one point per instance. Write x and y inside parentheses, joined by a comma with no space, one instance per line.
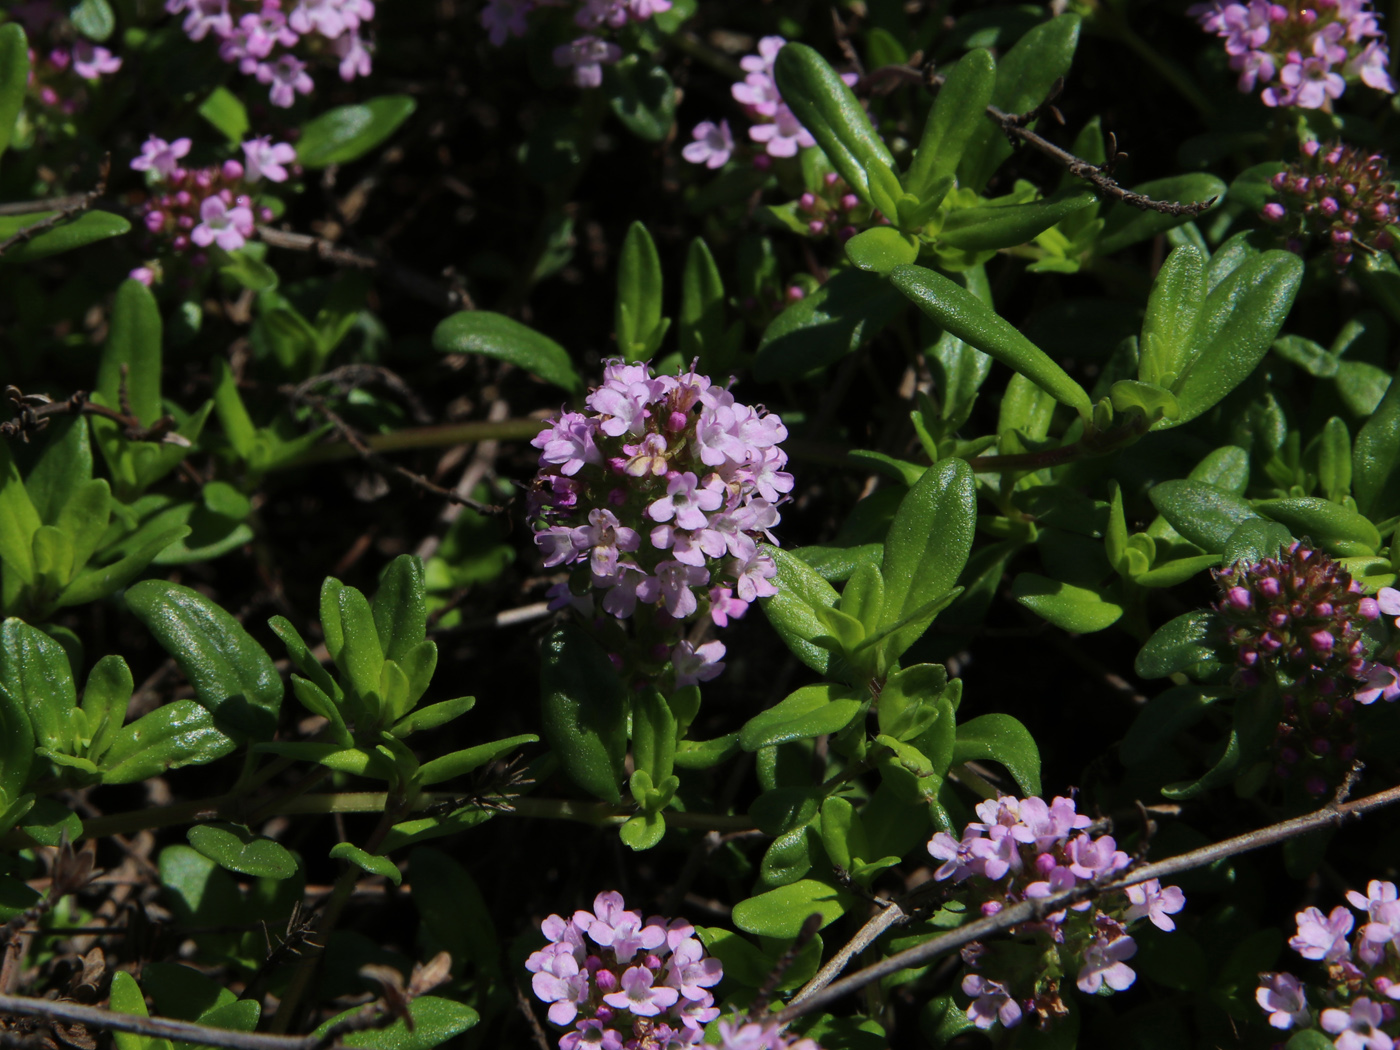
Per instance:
(1295,623)
(832,209)
(1339,195)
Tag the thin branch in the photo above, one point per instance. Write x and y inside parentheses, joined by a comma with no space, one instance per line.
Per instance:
(409,280)
(1331,815)
(66,208)
(33,412)
(187,1031)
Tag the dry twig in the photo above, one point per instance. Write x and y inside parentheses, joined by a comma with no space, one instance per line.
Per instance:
(64,208)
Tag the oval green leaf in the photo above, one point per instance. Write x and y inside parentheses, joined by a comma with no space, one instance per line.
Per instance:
(500,337)
(236,848)
(345,133)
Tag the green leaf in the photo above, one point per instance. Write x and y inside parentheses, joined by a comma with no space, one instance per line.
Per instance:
(454,915)
(1025,75)
(34,672)
(1001,738)
(1125,225)
(1255,540)
(347,133)
(400,607)
(1375,461)
(87,228)
(497,336)
(14,77)
(1239,322)
(642,97)
(812,711)
(1334,460)
(826,325)
(126,998)
(176,735)
(375,865)
(1071,608)
(1309,1039)
(781,912)
(1226,467)
(106,695)
(792,610)
(232,675)
(236,848)
(133,347)
(18,519)
(827,108)
(93,18)
(435,1021)
(226,112)
(460,763)
(908,703)
(62,469)
(49,821)
(433,715)
(1154,402)
(1173,312)
(1335,528)
(702,333)
(654,729)
(958,311)
(1179,645)
(1204,514)
(99,583)
(357,653)
(249,271)
(926,548)
(643,831)
(584,711)
(639,322)
(992,227)
(881,248)
(956,113)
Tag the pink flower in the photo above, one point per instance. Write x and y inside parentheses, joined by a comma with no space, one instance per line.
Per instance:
(503,19)
(1148,898)
(204,17)
(992,1002)
(1283,1000)
(588,55)
(784,137)
(1103,964)
(697,664)
(713,145)
(227,227)
(640,995)
(91,61)
(1358,1030)
(1313,81)
(161,157)
(264,160)
(353,53)
(1322,936)
(1381,682)
(288,78)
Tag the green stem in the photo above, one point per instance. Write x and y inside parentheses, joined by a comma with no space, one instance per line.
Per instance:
(419,437)
(1090,445)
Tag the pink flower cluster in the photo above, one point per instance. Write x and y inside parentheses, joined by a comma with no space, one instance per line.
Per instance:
(1299,620)
(745,1034)
(1303,52)
(1026,849)
(586,54)
(54,74)
(623,983)
(1363,972)
(659,497)
(1338,194)
(775,128)
(259,35)
(204,206)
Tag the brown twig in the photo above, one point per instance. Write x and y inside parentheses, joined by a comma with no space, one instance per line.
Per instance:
(1332,814)
(351,376)
(66,208)
(33,412)
(410,281)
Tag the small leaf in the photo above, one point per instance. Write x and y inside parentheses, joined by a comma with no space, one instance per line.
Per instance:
(87,228)
(1071,608)
(226,112)
(881,248)
(957,111)
(232,675)
(368,862)
(14,77)
(811,711)
(1255,540)
(1204,514)
(958,311)
(638,314)
(499,337)
(643,831)
(93,18)
(826,325)
(792,610)
(176,735)
(1179,645)
(1173,312)
(460,763)
(643,97)
(236,848)
(1001,738)
(993,227)
(126,998)
(1375,460)
(1331,526)
(781,912)
(346,133)
(585,712)
(435,1021)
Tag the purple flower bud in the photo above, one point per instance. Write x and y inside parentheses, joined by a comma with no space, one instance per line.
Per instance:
(1270,642)
(1277,618)
(1329,206)
(1341,260)
(183,199)
(990,908)
(1248,657)
(155,221)
(1368,609)
(1269,587)
(845,233)
(1280,180)
(1239,598)
(233,170)
(849,201)
(816,226)
(1274,212)
(807,201)
(762,161)
(795,293)
(1297,609)
(831,178)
